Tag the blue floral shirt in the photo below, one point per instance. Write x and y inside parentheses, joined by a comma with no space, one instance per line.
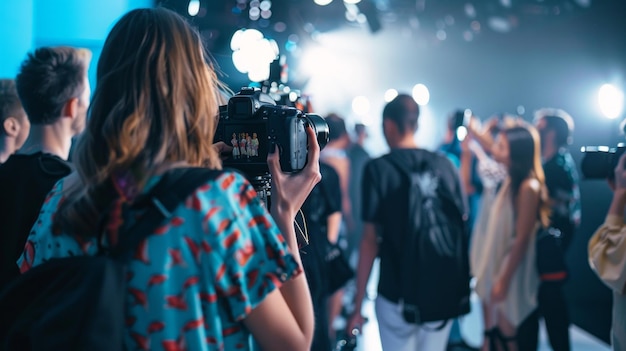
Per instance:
(198,276)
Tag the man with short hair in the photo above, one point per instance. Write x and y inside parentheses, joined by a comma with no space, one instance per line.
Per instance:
(54,90)
(555,128)
(15,124)
(386,233)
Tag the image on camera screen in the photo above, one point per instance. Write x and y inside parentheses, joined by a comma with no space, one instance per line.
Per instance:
(249,142)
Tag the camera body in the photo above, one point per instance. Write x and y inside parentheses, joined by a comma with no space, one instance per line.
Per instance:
(599,162)
(253,125)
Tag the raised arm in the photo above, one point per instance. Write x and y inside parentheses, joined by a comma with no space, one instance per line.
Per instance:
(465,172)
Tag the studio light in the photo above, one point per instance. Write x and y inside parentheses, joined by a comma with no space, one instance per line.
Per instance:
(253,54)
(421,95)
(611,101)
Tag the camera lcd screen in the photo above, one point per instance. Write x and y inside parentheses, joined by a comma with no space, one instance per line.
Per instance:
(249,142)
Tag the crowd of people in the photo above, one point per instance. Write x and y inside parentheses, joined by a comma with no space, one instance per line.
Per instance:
(227,272)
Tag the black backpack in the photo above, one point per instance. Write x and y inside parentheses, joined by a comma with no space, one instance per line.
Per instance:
(77,303)
(435,280)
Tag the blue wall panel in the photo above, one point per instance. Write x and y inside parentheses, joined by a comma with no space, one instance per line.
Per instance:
(27,24)
(16,34)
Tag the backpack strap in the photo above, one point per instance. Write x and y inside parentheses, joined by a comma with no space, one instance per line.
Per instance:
(159,203)
(413,175)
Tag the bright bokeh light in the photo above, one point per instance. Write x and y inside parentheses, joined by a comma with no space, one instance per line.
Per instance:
(193,8)
(421,94)
(252,53)
(360,105)
(352,1)
(323,2)
(265,5)
(390,94)
(293,96)
(611,101)
(461,133)
(499,24)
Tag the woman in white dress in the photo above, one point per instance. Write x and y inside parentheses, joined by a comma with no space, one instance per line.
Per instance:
(506,277)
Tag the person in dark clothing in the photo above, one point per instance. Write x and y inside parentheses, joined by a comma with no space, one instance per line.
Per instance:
(358,157)
(322,215)
(385,188)
(54,90)
(555,127)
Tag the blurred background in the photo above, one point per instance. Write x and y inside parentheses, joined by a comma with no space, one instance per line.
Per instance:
(350,56)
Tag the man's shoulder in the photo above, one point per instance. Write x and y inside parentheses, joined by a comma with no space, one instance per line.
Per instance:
(410,156)
(25,160)
(378,161)
(17,163)
(16,159)
(436,158)
(32,175)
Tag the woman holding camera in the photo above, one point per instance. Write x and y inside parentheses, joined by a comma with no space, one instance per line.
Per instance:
(222,269)
(506,277)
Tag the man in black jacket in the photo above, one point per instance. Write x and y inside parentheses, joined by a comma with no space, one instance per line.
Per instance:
(54,90)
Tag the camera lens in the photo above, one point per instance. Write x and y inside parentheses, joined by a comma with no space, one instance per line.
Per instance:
(320,127)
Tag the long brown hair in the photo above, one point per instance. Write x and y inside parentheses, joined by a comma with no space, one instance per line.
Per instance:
(154,105)
(525,162)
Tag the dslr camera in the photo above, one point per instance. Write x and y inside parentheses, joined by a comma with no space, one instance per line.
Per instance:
(252,123)
(599,162)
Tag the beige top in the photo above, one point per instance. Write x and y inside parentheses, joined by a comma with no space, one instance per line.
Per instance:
(492,239)
(607,257)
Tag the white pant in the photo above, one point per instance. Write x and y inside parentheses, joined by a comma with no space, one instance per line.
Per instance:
(398,335)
